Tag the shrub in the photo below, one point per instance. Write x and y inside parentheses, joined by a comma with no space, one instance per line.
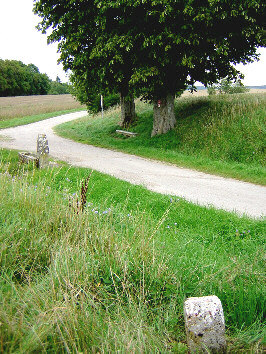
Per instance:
(211,90)
(92,100)
(227,86)
(94,105)
(58,88)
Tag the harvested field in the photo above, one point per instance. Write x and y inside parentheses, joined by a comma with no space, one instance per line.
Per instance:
(204,92)
(22,106)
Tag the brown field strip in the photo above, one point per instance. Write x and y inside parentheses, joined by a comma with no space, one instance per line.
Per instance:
(204,92)
(22,106)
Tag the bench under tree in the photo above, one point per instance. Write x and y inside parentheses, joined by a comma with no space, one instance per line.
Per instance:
(125,133)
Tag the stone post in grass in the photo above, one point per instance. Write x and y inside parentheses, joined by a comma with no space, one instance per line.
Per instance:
(42,150)
(205,327)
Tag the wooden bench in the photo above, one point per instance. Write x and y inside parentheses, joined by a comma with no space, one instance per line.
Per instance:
(125,133)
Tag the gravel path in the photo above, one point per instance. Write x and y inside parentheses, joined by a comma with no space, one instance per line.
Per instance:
(198,187)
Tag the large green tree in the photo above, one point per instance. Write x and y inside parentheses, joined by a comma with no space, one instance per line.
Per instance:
(155,48)
(97,65)
(179,42)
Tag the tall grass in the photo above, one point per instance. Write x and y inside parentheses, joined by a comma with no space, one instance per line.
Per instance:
(223,134)
(231,128)
(114,278)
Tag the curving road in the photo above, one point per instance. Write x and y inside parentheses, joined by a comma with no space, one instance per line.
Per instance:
(197,187)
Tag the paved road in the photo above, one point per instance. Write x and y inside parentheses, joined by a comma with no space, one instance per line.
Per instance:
(198,187)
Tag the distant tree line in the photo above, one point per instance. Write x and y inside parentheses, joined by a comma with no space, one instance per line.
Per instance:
(227,86)
(19,79)
(58,88)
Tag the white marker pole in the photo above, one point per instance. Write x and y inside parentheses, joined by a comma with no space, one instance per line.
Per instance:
(102,104)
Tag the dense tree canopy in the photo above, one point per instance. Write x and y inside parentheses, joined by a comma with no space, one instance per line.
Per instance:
(79,28)
(18,79)
(58,88)
(153,48)
(181,42)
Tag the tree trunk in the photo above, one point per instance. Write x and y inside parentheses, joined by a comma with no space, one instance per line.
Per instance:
(128,113)
(163,115)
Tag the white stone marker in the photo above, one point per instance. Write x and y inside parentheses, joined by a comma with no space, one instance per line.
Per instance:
(42,149)
(205,327)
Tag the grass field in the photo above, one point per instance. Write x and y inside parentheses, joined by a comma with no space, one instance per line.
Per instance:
(223,134)
(28,109)
(114,278)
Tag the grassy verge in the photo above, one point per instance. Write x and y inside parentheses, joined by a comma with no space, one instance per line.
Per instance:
(114,278)
(14,122)
(221,135)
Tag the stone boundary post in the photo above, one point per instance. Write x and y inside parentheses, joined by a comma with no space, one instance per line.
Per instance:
(205,327)
(42,149)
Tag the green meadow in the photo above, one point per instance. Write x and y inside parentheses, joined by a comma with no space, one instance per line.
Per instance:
(221,134)
(115,276)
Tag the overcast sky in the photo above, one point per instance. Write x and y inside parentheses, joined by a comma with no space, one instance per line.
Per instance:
(19,40)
